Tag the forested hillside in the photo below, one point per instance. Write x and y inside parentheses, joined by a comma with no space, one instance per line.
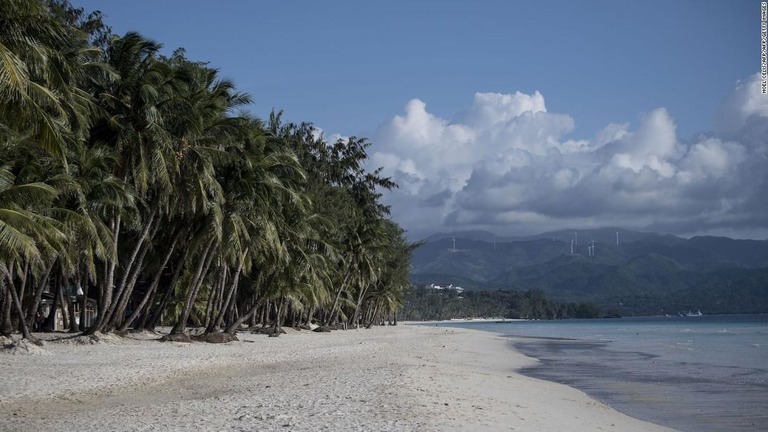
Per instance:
(428,304)
(644,273)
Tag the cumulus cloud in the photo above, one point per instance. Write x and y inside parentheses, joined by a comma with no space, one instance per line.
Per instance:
(744,103)
(506,164)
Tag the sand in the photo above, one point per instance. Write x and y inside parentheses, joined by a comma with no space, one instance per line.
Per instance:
(403,378)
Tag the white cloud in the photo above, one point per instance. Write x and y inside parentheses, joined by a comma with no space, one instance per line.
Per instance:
(489,109)
(506,164)
(744,102)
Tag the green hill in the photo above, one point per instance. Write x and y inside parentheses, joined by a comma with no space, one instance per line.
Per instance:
(646,273)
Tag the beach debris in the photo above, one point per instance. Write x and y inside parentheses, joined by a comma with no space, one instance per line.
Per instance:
(142,334)
(267,330)
(218,337)
(23,347)
(322,329)
(176,337)
(96,338)
(5,341)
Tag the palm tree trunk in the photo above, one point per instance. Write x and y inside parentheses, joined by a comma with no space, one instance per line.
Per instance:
(310,312)
(50,321)
(39,288)
(150,294)
(71,310)
(83,302)
(24,277)
(372,318)
(248,315)
(150,321)
(106,291)
(119,316)
(211,306)
(15,298)
(360,297)
(132,269)
(280,306)
(341,289)
(205,260)
(62,304)
(6,326)
(253,321)
(219,321)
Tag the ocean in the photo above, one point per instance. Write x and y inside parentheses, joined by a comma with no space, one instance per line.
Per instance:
(701,373)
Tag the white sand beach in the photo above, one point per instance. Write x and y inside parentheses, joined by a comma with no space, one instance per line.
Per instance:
(403,378)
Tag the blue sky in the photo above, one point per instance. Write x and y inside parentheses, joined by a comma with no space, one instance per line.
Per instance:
(349,65)
(354,68)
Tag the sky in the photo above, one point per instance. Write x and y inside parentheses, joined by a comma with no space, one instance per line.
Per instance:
(516,117)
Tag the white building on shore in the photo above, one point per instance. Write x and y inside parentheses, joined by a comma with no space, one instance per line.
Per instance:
(447,287)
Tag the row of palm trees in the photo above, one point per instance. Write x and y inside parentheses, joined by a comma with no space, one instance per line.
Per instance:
(139,180)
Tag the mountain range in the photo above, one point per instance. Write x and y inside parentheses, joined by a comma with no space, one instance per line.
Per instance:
(622,271)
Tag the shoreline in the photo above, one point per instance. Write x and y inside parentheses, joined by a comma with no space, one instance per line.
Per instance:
(387,378)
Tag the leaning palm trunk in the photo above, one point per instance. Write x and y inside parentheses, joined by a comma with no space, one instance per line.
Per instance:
(197,282)
(245,317)
(219,321)
(360,297)
(153,287)
(150,320)
(119,316)
(341,289)
(107,289)
(214,298)
(15,298)
(372,318)
(23,278)
(131,267)
(39,288)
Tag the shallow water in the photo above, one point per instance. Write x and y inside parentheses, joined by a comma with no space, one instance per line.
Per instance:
(705,373)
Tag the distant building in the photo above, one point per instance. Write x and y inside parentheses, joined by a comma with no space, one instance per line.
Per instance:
(75,300)
(458,289)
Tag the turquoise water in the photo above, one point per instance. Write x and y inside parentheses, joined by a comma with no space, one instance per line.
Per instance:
(707,373)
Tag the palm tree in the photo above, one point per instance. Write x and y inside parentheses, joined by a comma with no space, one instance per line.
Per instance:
(107,168)
(43,63)
(205,136)
(26,236)
(133,127)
